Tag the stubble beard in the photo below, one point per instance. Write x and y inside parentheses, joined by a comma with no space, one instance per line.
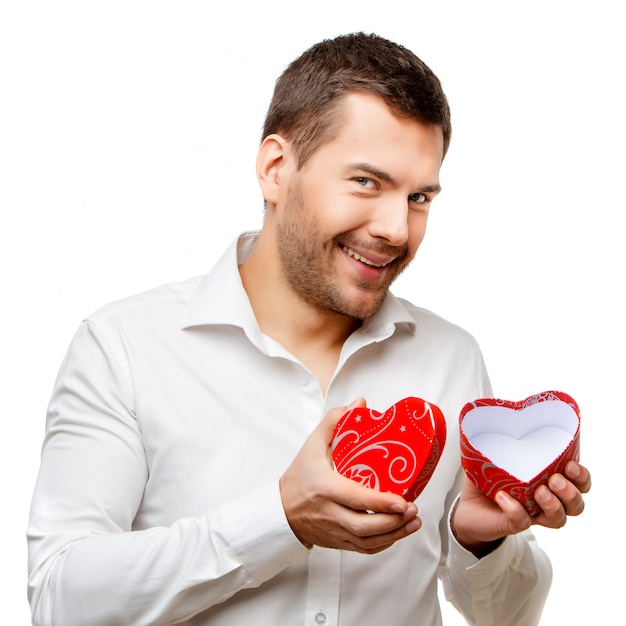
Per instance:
(308,264)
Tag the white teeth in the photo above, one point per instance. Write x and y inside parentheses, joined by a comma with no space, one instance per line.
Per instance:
(358,257)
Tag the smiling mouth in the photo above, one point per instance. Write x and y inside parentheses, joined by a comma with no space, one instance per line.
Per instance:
(358,257)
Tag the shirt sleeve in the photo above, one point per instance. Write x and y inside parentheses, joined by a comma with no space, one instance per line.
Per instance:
(508,587)
(86,563)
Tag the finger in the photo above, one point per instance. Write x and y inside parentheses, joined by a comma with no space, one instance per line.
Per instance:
(358,545)
(568,494)
(384,531)
(331,419)
(553,512)
(361,498)
(517,519)
(370,541)
(377,514)
(365,524)
(579,475)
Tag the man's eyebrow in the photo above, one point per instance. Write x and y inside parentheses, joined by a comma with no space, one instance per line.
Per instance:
(430,189)
(373,170)
(388,178)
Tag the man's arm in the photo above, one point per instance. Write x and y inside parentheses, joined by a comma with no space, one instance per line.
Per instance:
(495,573)
(86,564)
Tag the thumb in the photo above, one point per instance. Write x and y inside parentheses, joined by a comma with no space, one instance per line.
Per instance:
(359,403)
(329,423)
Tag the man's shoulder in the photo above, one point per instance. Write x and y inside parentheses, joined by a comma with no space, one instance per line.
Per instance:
(175,298)
(429,322)
(158,302)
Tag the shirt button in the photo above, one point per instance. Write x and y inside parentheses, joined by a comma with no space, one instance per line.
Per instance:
(320,618)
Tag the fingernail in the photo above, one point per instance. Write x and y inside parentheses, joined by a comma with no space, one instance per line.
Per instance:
(411,511)
(413,525)
(501,498)
(543,494)
(558,482)
(572,469)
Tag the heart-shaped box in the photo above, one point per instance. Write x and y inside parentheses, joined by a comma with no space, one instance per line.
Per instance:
(517,446)
(395,451)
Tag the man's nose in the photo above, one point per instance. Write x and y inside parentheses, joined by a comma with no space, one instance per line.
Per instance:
(389,220)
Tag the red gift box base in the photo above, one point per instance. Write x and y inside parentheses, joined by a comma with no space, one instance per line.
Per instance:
(517,446)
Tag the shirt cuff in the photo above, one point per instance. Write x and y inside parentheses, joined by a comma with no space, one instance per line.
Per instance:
(496,561)
(462,558)
(258,533)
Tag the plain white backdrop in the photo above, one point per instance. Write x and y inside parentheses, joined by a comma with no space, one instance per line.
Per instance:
(128,135)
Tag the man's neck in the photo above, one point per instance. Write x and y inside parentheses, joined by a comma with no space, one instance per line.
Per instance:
(314,337)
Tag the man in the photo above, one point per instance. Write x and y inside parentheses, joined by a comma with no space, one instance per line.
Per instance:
(186,473)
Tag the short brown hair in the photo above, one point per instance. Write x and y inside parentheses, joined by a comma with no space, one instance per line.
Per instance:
(306,96)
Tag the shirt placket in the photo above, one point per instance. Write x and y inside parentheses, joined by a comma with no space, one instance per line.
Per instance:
(324,587)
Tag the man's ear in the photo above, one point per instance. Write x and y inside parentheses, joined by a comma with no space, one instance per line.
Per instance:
(273,164)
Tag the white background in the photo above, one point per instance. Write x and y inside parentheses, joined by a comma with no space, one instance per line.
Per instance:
(128,135)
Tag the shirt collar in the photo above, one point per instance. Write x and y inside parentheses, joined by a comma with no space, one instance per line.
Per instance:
(221,299)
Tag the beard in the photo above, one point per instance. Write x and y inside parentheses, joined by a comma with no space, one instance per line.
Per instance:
(308,263)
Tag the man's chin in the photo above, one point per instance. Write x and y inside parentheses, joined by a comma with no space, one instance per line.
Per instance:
(362,308)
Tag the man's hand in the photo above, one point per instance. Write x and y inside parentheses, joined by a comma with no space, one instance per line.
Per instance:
(479,524)
(329,510)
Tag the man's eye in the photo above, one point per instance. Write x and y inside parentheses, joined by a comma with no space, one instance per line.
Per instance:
(366,182)
(418,198)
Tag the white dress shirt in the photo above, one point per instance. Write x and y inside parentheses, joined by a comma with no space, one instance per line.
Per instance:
(171,421)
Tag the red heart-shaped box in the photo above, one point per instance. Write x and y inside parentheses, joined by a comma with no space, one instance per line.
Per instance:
(517,446)
(395,451)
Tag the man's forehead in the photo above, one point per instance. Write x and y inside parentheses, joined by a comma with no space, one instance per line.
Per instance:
(371,135)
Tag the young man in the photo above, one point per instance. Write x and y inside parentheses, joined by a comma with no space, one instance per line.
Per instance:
(186,474)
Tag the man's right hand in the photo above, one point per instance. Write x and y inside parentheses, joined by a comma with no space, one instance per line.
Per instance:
(329,510)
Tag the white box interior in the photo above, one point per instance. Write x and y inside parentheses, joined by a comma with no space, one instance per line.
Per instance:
(522,442)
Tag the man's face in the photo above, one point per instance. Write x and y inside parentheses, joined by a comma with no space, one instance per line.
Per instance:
(354,216)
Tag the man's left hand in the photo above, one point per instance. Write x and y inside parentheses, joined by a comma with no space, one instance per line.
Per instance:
(480,524)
